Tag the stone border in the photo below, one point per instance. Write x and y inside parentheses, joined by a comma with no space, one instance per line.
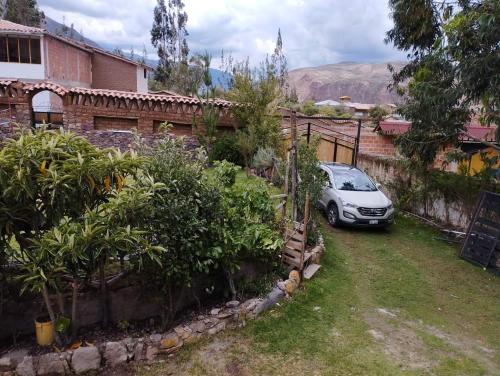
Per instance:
(93,358)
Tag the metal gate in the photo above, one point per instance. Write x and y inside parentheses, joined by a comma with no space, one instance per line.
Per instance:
(334,146)
(484,230)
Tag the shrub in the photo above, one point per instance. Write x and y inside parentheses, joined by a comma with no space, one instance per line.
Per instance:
(226,148)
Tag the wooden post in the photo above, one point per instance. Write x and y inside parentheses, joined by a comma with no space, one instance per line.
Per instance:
(356,145)
(293,128)
(304,242)
(285,188)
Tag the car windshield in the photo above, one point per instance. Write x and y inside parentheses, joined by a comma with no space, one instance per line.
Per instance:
(352,180)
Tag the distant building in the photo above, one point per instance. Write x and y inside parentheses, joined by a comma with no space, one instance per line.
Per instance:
(327,102)
(34,55)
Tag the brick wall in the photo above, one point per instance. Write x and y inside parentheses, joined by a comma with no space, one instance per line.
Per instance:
(377,144)
(114,74)
(67,64)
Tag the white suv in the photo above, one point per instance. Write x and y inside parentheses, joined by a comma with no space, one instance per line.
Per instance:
(351,197)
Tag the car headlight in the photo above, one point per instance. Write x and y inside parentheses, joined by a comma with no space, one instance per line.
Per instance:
(391,206)
(349,204)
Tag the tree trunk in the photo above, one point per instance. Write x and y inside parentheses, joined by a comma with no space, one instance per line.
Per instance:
(104,293)
(74,323)
(45,293)
(60,303)
(230,281)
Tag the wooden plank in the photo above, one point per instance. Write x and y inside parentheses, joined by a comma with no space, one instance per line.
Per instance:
(298,226)
(295,235)
(292,253)
(290,261)
(311,270)
(295,245)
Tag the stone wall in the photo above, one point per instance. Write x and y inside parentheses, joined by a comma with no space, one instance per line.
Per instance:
(386,172)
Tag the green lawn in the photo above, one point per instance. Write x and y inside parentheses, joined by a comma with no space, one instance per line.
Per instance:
(394,302)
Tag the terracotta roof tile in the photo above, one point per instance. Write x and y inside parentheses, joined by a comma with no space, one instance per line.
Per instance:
(7,81)
(17,28)
(47,85)
(144,96)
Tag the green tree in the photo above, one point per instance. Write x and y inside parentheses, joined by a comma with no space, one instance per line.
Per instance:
(209,110)
(377,114)
(168,36)
(257,93)
(24,12)
(454,68)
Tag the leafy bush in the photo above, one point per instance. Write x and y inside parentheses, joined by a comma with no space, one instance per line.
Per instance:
(226,148)
(225,173)
(247,227)
(264,158)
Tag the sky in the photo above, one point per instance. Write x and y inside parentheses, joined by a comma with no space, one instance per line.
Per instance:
(314,32)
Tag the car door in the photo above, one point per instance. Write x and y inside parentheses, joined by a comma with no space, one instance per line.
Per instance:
(326,192)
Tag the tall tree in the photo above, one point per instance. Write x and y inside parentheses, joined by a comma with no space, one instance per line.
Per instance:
(453,71)
(24,12)
(168,36)
(279,65)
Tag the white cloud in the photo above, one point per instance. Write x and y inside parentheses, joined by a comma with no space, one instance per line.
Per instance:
(315,32)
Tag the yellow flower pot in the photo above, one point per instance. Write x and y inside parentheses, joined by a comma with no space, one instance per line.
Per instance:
(44,331)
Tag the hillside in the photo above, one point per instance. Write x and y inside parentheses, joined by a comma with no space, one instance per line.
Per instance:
(363,82)
(57,28)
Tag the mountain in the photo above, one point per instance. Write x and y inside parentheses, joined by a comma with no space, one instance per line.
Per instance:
(60,29)
(363,82)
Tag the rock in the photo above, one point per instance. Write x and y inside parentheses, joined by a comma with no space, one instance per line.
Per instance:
(115,353)
(295,276)
(217,328)
(85,359)
(151,352)
(197,326)
(291,286)
(155,338)
(10,360)
(250,304)
(215,311)
(25,367)
(52,364)
(171,340)
(139,352)
(211,322)
(232,304)
(129,343)
(183,331)
(6,364)
(224,314)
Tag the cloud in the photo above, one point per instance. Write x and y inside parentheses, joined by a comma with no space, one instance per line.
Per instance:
(315,32)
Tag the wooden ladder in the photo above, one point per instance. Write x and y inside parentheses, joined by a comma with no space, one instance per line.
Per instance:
(294,255)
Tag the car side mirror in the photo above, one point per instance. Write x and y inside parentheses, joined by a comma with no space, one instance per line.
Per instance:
(378,185)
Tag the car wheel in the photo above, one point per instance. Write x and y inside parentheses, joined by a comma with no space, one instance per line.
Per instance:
(332,215)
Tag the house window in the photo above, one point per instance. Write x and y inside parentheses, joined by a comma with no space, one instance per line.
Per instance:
(20,50)
(145,73)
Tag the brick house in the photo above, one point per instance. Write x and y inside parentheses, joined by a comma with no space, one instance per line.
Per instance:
(33,55)
(476,139)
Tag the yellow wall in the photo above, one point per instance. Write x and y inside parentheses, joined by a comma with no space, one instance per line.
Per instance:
(326,149)
(476,164)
